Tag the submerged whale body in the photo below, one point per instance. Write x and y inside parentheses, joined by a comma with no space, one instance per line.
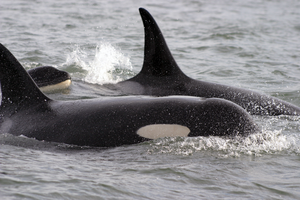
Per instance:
(113,121)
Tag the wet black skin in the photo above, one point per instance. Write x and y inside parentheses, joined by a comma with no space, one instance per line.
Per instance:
(161,76)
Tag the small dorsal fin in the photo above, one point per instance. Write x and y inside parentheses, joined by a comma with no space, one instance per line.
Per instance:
(158,60)
(17,87)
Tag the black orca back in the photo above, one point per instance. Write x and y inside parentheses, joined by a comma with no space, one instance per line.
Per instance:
(17,87)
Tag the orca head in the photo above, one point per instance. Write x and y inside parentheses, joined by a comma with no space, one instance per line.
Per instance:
(158,60)
(50,79)
(48,75)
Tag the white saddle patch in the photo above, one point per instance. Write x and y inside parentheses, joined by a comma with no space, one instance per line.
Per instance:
(155,131)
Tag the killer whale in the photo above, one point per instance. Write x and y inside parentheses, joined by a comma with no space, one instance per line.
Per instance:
(50,79)
(161,76)
(111,121)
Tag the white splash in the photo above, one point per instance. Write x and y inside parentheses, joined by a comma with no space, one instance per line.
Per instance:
(266,142)
(77,58)
(107,66)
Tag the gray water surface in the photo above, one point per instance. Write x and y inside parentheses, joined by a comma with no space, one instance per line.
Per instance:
(248,44)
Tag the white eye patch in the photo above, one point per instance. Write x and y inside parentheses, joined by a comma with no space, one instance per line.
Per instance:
(59,86)
(155,131)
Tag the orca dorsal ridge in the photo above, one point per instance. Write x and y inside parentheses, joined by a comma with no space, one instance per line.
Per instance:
(17,87)
(158,60)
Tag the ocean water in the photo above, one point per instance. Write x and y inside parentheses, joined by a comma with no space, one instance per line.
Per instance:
(248,44)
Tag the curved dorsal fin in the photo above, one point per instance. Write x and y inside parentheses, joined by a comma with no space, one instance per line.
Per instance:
(158,60)
(17,87)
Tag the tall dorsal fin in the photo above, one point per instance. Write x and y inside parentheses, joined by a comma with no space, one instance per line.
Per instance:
(158,60)
(17,87)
